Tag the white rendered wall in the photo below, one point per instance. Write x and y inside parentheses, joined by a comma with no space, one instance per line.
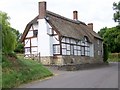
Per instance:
(45,47)
(35,26)
(30,34)
(34,41)
(55,40)
(34,50)
(27,43)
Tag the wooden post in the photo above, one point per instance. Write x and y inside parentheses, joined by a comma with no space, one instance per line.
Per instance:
(39,58)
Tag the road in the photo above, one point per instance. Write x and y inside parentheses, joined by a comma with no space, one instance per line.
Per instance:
(103,77)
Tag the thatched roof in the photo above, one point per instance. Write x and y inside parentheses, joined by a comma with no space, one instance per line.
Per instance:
(66,27)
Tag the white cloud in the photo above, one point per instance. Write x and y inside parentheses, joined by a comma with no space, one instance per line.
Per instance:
(97,11)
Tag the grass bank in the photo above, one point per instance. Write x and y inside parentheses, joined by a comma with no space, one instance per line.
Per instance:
(114,57)
(16,71)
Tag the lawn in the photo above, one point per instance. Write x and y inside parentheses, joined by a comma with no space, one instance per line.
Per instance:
(16,71)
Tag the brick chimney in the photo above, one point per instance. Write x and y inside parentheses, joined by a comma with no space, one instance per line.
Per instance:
(75,15)
(90,26)
(42,9)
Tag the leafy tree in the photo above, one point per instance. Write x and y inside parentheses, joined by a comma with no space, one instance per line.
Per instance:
(19,46)
(111,37)
(116,16)
(8,36)
(102,31)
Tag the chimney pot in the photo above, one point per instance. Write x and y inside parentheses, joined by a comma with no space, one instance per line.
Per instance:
(42,9)
(75,15)
(90,26)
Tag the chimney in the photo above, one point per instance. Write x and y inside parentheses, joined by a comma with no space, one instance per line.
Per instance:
(90,26)
(42,9)
(75,15)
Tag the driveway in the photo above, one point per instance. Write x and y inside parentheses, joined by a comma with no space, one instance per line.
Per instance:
(102,77)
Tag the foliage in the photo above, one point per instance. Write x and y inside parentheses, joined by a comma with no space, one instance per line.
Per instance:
(111,36)
(105,52)
(102,31)
(19,46)
(8,37)
(114,57)
(116,7)
(20,70)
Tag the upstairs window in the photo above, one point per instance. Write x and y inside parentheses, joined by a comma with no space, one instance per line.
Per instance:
(35,33)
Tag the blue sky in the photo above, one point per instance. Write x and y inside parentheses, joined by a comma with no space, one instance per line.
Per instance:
(98,12)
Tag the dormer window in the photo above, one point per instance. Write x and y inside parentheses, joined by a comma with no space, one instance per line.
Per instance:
(35,33)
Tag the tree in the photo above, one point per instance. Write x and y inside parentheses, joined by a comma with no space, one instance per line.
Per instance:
(111,37)
(19,46)
(102,31)
(116,15)
(8,36)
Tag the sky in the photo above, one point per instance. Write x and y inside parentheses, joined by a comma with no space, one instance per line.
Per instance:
(98,12)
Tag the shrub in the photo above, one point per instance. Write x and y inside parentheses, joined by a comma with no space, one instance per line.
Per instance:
(105,52)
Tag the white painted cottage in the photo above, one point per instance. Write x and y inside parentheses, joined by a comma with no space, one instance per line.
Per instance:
(60,40)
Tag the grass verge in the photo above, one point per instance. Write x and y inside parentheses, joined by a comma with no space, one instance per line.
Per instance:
(16,71)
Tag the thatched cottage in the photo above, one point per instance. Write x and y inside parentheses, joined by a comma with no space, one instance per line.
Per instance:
(58,40)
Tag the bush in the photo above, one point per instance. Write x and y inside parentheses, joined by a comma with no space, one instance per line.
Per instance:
(114,57)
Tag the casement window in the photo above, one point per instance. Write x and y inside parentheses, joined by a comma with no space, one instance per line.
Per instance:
(56,49)
(64,50)
(35,33)
(75,47)
(75,50)
(27,49)
(79,50)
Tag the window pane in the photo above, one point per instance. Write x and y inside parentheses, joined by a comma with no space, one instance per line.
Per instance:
(68,52)
(75,47)
(56,49)
(63,51)
(86,53)
(63,45)
(27,50)
(67,40)
(78,48)
(79,52)
(68,47)
(63,40)
(75,52)
(86,48)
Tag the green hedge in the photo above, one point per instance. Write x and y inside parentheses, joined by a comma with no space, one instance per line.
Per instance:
(114,57)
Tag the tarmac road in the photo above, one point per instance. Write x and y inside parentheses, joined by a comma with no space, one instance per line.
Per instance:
(103,77)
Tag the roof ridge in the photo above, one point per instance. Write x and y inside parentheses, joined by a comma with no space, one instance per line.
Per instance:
(62,17)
